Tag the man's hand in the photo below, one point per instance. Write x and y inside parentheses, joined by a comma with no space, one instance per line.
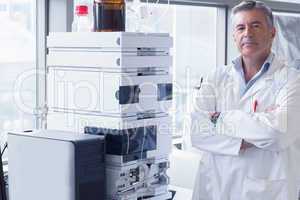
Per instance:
(271,108)
(245,145)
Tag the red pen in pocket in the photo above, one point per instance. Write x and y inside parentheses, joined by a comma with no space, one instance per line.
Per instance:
(255,104)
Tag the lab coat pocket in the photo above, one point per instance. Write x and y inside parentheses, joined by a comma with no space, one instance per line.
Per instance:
(263,189)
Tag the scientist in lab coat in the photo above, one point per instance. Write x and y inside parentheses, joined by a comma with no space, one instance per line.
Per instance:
(246,118)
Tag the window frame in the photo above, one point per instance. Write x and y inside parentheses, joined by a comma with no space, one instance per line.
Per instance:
(42,24)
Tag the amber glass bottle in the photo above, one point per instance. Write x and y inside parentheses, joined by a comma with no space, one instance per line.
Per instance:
(109,15)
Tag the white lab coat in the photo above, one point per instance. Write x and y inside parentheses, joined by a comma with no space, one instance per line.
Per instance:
(269,170)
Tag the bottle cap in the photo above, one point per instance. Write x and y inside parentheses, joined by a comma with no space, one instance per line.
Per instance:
(81,10)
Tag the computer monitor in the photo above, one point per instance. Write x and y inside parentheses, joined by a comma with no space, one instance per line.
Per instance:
(2,181)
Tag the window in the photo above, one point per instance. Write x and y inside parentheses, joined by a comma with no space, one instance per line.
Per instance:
(287,25)
(194,31)
(17,61)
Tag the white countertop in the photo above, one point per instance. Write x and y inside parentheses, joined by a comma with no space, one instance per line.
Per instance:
(181,193)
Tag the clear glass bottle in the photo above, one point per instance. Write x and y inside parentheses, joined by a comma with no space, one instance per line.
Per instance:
(81,22)
(109,15)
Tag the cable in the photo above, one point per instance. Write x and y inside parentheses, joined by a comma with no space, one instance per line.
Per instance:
(142,150)
(2,152)
(128,142)
(143,143)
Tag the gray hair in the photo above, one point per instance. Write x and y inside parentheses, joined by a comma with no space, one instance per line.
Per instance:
(251,5)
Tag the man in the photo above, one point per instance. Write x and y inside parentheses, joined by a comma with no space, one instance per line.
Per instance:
(246,118)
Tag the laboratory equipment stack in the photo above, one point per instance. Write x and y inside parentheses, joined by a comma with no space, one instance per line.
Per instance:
(119,85)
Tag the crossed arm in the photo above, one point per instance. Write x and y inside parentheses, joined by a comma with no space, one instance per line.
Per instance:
(274,129)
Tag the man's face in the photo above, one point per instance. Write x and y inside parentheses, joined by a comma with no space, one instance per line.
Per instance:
(252,34)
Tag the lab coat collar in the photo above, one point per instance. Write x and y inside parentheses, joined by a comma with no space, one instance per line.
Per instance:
(238,67)
(275,65)
(265,80)
(237,62)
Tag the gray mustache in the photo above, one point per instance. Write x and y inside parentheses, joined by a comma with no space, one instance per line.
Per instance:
(248,39)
